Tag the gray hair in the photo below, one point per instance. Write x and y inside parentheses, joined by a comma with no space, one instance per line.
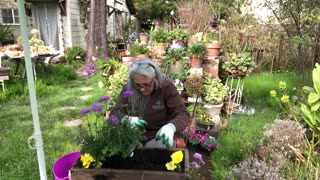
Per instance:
(147,67)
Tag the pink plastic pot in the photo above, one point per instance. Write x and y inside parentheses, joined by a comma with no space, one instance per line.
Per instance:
(62,166)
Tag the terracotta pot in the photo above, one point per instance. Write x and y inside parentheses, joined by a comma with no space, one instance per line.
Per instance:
(210,60)
(213,70)
(195,62)
(213,49)
(160,49)
(180,143)
(144,39)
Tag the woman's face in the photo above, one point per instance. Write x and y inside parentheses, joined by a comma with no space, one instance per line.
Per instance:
(143,84)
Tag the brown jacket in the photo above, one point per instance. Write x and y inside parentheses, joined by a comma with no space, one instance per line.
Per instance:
(165,106)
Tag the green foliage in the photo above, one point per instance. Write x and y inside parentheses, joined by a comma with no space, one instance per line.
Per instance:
(175,54)
(137,49)
(311,110)
(179,35)
(5,33)
(213,90)
(210,37)
(159,36)
(110,141)
(239,65)
(171,57)
(197,49)
(153,10)
(73,52)
(108,65)
(115,83)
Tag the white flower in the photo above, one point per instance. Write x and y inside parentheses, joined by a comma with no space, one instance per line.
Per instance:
(93,58)
(100,84)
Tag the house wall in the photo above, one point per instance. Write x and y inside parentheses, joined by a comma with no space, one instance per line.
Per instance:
(73,30)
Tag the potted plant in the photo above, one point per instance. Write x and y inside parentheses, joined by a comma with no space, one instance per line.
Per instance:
(160,39)
(144,37)
(212,45)
(174,59)
(179,37)
(196,52)
(213,93)
(139,49)
(239,65)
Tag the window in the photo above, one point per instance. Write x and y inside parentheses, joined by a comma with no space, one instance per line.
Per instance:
(10,16)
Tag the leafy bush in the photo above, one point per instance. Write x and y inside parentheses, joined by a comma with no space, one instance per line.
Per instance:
(197,49)
(5,34)
(137,49)
(73,52)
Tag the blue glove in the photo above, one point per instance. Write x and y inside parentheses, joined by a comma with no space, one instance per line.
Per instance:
(134,121)
(166,134)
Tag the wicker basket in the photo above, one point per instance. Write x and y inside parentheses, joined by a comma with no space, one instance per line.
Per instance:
(4,71)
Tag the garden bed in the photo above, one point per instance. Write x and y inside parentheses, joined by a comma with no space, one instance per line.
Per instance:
(145,164)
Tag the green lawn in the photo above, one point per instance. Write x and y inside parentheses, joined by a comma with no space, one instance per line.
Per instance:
(58,100)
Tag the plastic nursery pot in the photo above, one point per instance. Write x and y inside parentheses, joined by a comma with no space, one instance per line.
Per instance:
(181,143)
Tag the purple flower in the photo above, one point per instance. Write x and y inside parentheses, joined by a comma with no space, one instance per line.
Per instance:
(112,120)
(199,157)
(127,94)
(195,165)
(104,75)
(103,98)
(97,108)
(86,69)
(84,111)
(106,58)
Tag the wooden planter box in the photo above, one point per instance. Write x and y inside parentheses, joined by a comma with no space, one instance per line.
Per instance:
(4,71)
(139,167)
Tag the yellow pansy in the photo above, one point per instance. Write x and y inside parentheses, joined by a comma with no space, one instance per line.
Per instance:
(177,157)
(86,160)
(285,98)
(282,85)
(273,93)
(170,166)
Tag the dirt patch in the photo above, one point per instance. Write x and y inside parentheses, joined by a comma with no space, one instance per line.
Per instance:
(69,108)
(86,88)
(73,122)
(85,97)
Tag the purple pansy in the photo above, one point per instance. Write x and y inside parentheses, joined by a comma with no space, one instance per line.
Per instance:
(199,157)
(127,94)
(112,120)
(84,111)
(97,108)
(106,58)
(195,165)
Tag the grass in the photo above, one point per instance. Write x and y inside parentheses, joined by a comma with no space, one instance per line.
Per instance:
(54,94)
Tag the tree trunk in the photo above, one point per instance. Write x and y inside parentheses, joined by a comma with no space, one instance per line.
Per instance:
(97,41)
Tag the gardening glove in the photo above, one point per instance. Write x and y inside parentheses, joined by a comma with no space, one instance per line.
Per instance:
(166,134)
(134,121)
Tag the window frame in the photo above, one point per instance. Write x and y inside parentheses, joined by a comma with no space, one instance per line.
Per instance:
(13,16)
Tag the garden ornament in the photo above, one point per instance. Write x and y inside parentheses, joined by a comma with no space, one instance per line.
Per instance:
(166,134)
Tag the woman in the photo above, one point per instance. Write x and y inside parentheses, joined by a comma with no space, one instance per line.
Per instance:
(156,101)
